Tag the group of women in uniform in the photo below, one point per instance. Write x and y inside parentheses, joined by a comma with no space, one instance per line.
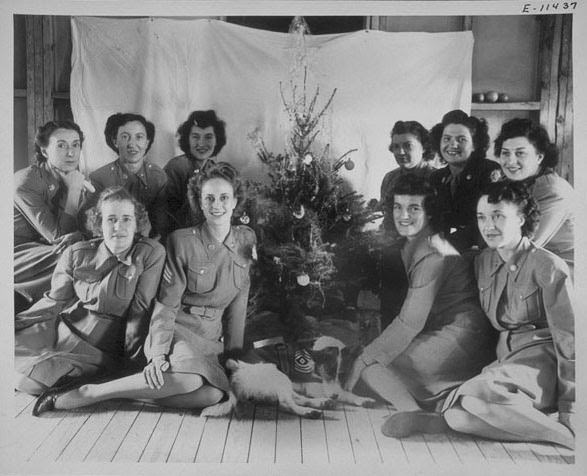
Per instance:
(478,333)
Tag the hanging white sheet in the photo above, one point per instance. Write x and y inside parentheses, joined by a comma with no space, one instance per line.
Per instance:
(165,68)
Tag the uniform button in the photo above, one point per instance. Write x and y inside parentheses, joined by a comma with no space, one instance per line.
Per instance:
(513,267)
(201,271)
(125,176)
(468,177)
(211,247)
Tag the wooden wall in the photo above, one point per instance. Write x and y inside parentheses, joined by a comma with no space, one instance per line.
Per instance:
(527,57)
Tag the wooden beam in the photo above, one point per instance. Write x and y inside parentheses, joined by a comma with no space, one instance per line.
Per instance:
(40,75)
(564,119)
(549,50)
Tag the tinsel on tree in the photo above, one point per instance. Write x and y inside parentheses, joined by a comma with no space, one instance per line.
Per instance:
(313,256)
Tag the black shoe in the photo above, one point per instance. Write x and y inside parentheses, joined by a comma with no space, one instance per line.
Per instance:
(46,401)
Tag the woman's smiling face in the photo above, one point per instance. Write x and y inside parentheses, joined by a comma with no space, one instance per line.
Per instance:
(202,142)
(456,144)
(519,158)
(217,201)
(407,150)
(409,215)
(500,223)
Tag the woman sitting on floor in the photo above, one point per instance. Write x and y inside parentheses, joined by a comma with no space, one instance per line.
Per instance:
(200,310)
(95,317)
(527,294)
(440,337)
(47,199)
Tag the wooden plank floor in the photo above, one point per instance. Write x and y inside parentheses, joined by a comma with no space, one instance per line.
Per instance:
(128,432)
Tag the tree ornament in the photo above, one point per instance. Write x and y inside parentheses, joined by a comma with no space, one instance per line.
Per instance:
(244,219)
(308,159)
(346,216)
(299,213)
(303,279)
(349,164)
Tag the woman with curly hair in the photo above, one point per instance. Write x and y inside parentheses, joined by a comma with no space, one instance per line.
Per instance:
(200,310)
(131,136)
(462,141)
(95,317)
(47,198)
(440,338)
(201,137)
(527,295)
(526,155)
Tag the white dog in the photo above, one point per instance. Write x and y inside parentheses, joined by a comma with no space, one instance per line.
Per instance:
(265,382)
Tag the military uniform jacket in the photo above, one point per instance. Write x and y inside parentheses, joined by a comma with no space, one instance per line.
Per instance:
(147,186)
(529,300)
(38,206)
(90,283)
(459,210)
(206,280)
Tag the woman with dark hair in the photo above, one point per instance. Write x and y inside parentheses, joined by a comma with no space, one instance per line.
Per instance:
(412,151)
(526,155)
(411,148)
(462,141)
(201,137)
(200,310)
(131,136)
(440,337)
(526,293)
(47,199)
(95,317)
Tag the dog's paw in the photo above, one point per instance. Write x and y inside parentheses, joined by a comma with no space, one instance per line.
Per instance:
(313,414)
(368,403)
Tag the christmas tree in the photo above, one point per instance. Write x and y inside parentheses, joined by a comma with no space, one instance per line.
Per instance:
(313,255)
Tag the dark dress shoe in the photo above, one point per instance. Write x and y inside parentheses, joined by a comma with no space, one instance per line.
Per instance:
(46,401)
(402,424)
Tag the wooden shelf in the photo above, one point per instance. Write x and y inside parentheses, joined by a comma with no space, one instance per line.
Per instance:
(506,106)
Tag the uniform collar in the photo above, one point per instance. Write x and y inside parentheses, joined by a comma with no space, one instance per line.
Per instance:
(141,174)
(52,178)
(104,254)
(417,249)
(515,263)
(211,243)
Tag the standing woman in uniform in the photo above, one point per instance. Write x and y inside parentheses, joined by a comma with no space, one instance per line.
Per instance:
(200,310)
(47,199)
(526,292)
(95,318)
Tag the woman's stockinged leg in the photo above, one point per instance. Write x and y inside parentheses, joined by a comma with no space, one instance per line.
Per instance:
(131,387)
(390,386)
(203,397)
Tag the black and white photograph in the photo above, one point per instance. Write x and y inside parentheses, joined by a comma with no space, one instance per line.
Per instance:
(293,237)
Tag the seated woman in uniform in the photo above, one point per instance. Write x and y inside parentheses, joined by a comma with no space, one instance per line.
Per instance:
(440,337)
(200,310)
(527,155)
(47,199)
(527,295)
(131,136)
(96,316)
(412,151)
(201,138)
(462,141)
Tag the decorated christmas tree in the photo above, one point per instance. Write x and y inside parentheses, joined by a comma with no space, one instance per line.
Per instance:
(313,255)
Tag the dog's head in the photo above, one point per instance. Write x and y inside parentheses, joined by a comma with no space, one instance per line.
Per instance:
(332,359)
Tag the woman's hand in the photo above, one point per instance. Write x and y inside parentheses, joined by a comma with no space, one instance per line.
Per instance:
(358,366)
(66,240)
(567,419)
(73,180)
(153,372)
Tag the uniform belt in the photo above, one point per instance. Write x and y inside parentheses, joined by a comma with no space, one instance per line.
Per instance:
(204,311)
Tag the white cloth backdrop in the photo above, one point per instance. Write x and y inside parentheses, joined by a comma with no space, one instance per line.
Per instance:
(165,68)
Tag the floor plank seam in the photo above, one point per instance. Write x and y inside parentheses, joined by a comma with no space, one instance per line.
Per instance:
(375,435)
(74,435)
(176,435)
(150,436)
(349,433)
(127,432)
(116,408)
(201,437)
(226,436)
(45,439)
